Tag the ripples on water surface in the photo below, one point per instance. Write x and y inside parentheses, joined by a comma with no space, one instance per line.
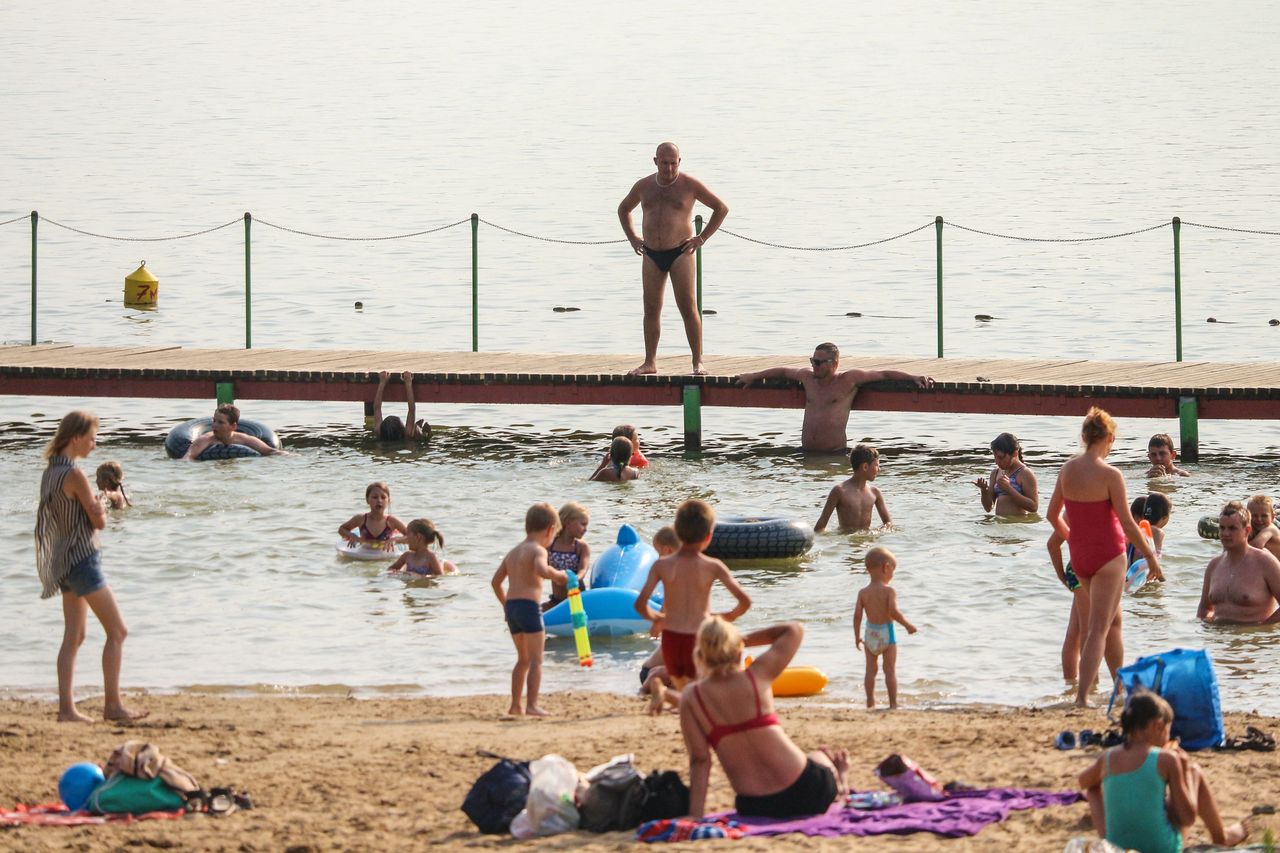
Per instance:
(825,128)
(235,559)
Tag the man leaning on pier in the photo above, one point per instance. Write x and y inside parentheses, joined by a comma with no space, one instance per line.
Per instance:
(828,395)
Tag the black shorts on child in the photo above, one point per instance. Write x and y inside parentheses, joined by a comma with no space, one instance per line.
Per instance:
(523,616)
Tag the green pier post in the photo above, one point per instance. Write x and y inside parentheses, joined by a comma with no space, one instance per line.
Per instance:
(938,224)
(35,219)
(1189,426)
(225,392)
(697,229)
(248,286)
(692,417)
(1177,285)
(475,282)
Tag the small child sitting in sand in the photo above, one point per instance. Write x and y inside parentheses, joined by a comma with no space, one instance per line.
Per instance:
(1146,794)
(420,559)
(111,493)
(654,679)
(523,570)
(853,500)
(569,552)
(1262,516)
(879,603)
(375,527)
(619,469)
(1161,453)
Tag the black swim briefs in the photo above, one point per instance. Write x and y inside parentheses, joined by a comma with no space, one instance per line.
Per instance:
(666,258)
(523,616)
(812,793)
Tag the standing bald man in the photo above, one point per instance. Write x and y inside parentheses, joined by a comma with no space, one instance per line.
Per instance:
(666,202)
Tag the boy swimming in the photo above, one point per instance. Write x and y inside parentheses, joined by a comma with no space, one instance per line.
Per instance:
(853,500)
(1161,454)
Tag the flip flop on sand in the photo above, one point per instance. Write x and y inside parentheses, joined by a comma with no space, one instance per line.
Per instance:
(1254,739)
(1065,740)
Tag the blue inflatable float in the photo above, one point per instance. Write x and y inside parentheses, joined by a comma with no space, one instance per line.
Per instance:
(610,603)
(611,612)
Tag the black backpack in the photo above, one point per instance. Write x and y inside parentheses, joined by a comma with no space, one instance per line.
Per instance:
(665,796)
(498,795)
(614,799)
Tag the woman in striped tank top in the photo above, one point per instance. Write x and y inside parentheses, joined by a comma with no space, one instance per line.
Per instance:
(69,562)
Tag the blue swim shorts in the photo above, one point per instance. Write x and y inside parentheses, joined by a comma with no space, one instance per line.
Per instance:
(85,576)
(524,616)
(1073,582)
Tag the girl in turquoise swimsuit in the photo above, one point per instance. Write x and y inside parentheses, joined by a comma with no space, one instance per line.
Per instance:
(1127,786)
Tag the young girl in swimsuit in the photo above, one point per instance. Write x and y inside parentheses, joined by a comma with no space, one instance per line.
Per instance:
(375,527)
(420,559)
(627,431)
(619,469)
(568,551)
(1093,495)
(1011,487)
(110,479)
(1146,794)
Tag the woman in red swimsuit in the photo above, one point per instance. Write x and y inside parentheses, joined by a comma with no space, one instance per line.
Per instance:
(1098,519)
(733,707)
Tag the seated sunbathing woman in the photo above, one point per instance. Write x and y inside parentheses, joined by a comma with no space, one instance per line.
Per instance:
(730,710)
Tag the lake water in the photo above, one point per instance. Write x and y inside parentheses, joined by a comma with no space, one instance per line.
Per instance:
(829,128)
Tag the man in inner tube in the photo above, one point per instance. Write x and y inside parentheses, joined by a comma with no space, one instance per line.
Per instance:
(225,420)
(828,395)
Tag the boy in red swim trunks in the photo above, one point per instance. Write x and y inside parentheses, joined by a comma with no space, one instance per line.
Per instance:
(686,577)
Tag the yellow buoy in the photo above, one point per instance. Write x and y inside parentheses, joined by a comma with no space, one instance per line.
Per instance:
(797,680)
(141,288)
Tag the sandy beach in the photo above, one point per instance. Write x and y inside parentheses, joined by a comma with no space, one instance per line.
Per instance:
(356,774)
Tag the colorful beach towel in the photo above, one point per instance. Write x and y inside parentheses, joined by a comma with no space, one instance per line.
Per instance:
(961,814)
(56,814)
(687,829)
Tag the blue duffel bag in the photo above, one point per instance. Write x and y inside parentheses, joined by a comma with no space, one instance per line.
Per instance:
(1185,679)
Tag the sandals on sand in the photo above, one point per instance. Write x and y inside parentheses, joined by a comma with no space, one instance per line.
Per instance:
(1254,739)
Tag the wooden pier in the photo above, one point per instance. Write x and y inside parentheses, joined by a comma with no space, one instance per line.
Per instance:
(1186,390)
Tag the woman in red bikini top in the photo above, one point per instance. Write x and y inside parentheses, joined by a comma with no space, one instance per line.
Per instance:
(730,710)
(1096,525)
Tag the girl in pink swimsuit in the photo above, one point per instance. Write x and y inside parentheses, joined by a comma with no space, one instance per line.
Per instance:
(1095,529)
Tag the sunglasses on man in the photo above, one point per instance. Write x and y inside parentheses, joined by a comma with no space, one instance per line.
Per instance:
(818,362)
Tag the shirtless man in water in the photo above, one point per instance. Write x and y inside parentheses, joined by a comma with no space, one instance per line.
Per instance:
(666,202)
(828,395)
(1242,585)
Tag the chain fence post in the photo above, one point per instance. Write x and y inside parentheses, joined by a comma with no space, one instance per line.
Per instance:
(697,229)
(248,286)
(35,219)
(475,282)
(938,225)
(1177,286)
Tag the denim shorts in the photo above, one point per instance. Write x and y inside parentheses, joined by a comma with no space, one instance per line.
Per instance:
(85,576)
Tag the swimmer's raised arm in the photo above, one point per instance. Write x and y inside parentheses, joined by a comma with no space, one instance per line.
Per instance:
(411,423)
(383,378)
(783,641)
(796,374)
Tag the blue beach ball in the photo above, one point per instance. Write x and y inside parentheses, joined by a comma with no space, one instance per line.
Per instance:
(77,783)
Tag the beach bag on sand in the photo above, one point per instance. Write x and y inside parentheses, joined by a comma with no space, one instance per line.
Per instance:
(498,795)
(615,792)
(665,796)
(909,779)
(550,809)
(1185,679)
(122,794)
(144,761)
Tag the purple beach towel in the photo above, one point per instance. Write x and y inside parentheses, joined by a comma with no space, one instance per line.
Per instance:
(961,814)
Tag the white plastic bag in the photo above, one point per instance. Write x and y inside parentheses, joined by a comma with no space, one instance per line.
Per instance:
(550,807)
